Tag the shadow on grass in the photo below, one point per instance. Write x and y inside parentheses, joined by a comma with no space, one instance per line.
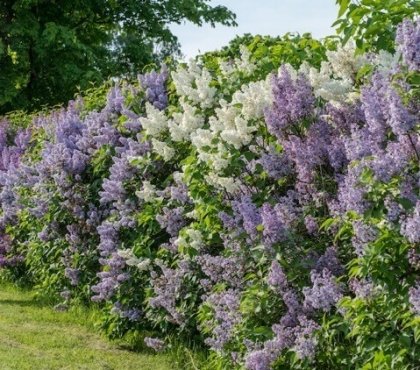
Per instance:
(23,303)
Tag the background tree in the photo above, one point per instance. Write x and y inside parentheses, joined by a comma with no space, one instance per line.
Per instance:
(372,24)
(51,48)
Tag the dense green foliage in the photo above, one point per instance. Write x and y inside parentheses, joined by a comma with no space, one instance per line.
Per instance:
(49,50)
(372,23)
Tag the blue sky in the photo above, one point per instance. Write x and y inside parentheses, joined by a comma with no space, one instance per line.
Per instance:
(265,17)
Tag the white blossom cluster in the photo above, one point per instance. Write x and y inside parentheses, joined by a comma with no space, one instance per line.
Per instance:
(131,260)
(242,64)
(163,149)
(147,193)
(182,125)
(234,124)
(192,238)
(385,61)
(335,79)
(155,121)
(194,83)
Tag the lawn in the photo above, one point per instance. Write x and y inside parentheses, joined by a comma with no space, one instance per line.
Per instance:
(35,336)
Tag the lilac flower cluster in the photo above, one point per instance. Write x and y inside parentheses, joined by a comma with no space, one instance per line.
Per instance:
(226,315)
(293,102)
(116,198)
(155,343)
(229,270)
(7,259)
(131,314)
(276,165)
(154,85)
(411,226)
(362,288)
(324,293)
(167,288)
(408,40)
(12,172)
(296,331)
(414,298)
(172,220)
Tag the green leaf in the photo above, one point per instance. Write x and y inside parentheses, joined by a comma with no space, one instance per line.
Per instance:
(343,7)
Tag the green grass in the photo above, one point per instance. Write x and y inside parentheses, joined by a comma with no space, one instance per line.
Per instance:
(34,336)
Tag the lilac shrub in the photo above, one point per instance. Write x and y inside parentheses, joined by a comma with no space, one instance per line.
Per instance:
(270,216)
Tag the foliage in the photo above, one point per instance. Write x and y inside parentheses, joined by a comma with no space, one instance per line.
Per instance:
(49,52)
(372,23)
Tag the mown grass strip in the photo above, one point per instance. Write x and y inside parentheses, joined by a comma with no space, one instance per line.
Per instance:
(34,336)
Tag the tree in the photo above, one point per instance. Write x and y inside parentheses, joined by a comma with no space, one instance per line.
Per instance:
(373,23)
(51,48)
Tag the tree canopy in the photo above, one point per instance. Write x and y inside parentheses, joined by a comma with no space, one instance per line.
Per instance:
(51,48)
(372,24)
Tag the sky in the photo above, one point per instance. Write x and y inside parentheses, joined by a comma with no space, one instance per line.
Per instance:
(264,17)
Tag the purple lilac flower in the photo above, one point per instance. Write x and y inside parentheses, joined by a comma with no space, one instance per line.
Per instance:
(131,314)
(411,227)
(109,280)
(300,338)
(154,85)
(414,298)
(408,43)
(229,270)
(293,102)
(259,360)
(155,343)
(275,164)
(360,143)
(277,278)
(167,288)
(414,258)
(73,275)
(288,210)
(311,224)
(249,213)
(345,116)
(305,343)
(172,220)
(273,230)
(115,100)
(351,193)
(362,288)
(329,260)
(375,106)
(180,193)
(393,209)
(324,293)
(225,306)
(7,259)
(400,120)
(363,235)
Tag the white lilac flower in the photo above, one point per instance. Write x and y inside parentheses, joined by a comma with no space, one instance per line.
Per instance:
(335,79)
(163,149)
(148,192)
(193,83)
(125,253)
(143,264)
(254,98)
(184,124)
(155,121)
